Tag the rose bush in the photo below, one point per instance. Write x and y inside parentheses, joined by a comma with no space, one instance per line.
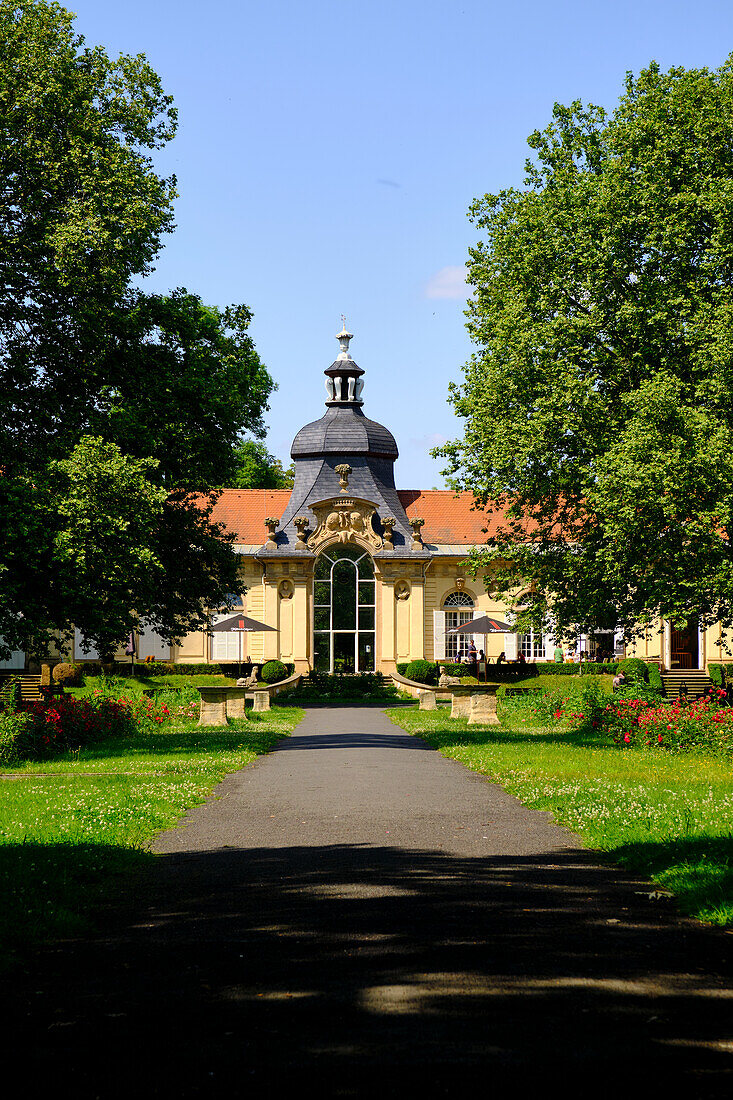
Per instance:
(703,724)
(46,729)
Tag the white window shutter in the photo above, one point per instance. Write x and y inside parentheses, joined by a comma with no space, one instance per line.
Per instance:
(225,643)
(439,635)
(511,643)
(81,653)
(549,647)
(152,644)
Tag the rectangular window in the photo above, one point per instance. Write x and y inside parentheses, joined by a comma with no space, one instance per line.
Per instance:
(456,644)
(532,646)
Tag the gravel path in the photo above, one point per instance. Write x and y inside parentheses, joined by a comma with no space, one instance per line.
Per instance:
(358,916)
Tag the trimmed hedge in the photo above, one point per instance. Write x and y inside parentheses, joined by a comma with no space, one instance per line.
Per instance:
(655,678)
(273,672)
(634,668)
(69,675)
(167,668)
(422,672)
(717,675)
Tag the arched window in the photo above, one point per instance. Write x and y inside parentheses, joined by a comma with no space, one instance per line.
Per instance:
(458,608)
(343,610)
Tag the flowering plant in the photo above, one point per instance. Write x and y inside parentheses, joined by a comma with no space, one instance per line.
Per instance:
(705,723)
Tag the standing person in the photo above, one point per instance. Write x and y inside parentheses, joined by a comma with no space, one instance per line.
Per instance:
(558,654)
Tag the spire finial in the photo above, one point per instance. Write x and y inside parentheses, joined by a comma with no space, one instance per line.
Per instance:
(343,338)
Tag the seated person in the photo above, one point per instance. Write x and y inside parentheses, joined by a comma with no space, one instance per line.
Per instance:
(501,658)
(522,659)
(619,681)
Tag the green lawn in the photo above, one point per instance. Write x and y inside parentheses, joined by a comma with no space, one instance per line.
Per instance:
(664,815)
(67,835)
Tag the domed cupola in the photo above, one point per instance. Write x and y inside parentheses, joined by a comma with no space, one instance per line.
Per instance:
(344,428)
(342,452)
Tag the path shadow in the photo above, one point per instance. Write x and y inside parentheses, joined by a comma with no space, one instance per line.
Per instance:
(379,971)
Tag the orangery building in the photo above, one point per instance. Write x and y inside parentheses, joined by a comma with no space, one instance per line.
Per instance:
(352,574)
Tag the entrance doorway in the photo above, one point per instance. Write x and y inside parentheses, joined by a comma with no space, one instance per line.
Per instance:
(686,645)
(343,611)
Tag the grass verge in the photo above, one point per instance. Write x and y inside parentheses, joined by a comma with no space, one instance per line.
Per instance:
(69,828)
(667,816)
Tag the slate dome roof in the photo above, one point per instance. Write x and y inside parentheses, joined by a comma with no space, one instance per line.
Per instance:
(344,430)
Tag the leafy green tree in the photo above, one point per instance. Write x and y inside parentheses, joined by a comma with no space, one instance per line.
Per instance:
(164,384)
(182,381)
(258,469)
(597,406)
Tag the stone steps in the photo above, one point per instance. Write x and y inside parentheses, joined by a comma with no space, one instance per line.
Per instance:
(695,680)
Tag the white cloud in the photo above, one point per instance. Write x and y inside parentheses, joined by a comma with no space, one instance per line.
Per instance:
(427,442)
(449,282)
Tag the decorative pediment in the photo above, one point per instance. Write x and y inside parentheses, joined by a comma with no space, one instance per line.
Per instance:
(344,519)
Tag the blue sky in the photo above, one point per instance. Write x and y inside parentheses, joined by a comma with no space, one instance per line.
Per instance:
(328,152)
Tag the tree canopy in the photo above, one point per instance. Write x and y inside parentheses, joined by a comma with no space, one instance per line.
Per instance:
(258,469)
(107,393)
(597,406)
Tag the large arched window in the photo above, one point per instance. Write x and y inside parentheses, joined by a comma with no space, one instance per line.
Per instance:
(458,608)
(343,610)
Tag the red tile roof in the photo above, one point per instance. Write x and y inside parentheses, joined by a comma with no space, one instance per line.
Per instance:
(449,517)
(244,511)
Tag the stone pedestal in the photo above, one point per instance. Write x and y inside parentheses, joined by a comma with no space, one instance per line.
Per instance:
(460,706)
(236,698)
(213,706)
(262,700)
(427,700)
(482,710)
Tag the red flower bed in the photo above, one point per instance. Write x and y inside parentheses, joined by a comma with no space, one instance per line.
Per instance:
(67,723)
(704,723)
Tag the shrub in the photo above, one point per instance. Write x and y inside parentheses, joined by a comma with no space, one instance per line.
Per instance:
(634,669)
(48,729)
(402,668)
(321,686)
(14,734)
(704,724)
(422,672)
(717,675)
(69,675)
(273,672)
(655,679)
(728,673)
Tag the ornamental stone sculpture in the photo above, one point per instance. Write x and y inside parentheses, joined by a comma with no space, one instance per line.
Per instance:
(417,542)
(344,519)
(388,523)
(402,590)
(301,528)
(343,470)
(272,525)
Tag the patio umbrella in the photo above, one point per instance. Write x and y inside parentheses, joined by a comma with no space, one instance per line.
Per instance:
(485,624)
(242,624)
